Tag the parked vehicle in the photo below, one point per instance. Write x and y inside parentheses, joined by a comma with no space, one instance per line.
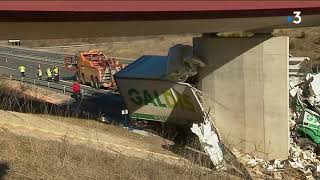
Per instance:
(94,68)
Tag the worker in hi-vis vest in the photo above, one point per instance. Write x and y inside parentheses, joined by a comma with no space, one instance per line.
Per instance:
(39,72)
(49,74)
(22,70)
(56,73)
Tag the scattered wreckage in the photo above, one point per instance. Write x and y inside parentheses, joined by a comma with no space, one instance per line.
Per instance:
(303,161)
(304,102)
(154,89)
(159,89)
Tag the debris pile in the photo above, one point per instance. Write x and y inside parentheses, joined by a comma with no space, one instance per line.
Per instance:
(302,163)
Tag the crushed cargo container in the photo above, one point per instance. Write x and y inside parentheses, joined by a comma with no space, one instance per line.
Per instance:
(150,96)
(305,103)
(299,66)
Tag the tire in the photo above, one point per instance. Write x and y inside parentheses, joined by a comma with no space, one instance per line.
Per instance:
(92,82)
(97,86)
(82,80)
(78,78)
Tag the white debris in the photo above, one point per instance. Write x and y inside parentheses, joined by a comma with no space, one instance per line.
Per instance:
(305,161)
(296,164)
(276,165)
(315,85)
(210,141)
(294,81)
(252,163)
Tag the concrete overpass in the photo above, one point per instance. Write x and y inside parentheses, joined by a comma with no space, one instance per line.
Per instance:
(245,78)
(60,19)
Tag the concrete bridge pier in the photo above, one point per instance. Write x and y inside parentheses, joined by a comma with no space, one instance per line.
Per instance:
(246,86)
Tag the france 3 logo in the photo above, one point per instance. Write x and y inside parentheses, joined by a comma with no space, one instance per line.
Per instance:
(296,19)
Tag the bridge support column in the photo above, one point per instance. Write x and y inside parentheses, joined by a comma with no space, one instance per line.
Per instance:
(246,86)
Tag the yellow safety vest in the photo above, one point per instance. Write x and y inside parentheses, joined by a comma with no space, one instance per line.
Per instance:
(56,70)
(49,73)
(22,69)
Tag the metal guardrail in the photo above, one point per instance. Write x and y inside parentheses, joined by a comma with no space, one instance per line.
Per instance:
(85,91)
(64,88)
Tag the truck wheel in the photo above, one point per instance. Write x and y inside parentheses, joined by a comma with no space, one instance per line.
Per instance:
(92,83)
(78,78)
(82,81)
(97,86)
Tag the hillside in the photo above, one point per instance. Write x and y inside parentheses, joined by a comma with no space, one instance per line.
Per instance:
(303,42)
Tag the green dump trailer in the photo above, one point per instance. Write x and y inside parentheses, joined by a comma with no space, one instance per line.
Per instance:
(148,96)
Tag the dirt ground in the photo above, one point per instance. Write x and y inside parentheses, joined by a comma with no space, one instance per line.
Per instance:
(44,146)
(37,146)
(124,47)
(118,141)
(25,157)
(37,92)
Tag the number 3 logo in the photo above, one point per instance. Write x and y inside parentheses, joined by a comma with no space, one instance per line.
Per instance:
(297,17)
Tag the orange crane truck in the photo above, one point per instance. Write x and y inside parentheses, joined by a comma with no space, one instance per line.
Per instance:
(94,68)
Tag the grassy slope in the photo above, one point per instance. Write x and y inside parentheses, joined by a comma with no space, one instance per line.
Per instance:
(304,41)
(30,158)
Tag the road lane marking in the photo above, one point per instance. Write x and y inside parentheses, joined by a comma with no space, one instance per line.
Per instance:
(35,59)
(8,68)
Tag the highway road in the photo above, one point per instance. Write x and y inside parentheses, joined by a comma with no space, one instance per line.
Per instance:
(32,58)
(12,57)
(99,101)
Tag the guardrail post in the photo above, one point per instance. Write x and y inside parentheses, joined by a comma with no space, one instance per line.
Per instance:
(64,89)
(48,84)
(10,77)
(34,82)
(22,78)
(82,93)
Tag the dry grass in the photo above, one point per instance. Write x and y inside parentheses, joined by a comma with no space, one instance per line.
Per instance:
(30,158)
(16,97)
(303,42)
(129,47)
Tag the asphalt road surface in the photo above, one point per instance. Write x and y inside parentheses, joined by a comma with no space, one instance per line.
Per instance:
(12,58)
(101,101)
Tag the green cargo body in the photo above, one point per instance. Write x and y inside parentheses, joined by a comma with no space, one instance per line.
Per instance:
(148,97)
(163,101)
